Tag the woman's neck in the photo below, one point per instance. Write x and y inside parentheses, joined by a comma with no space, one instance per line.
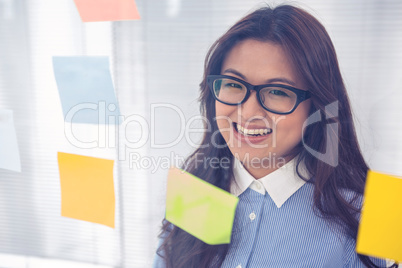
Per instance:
(261,169)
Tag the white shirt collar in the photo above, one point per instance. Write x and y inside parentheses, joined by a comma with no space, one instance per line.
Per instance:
(280,184)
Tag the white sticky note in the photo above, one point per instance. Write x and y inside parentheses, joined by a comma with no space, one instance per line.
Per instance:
(9,152)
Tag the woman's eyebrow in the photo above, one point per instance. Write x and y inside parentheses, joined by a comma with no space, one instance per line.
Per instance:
(282,80)
(269,81)
(233,71)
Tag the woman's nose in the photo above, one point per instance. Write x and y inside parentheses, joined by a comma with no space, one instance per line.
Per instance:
(251,108)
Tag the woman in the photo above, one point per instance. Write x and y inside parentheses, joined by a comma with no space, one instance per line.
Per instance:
(274,96)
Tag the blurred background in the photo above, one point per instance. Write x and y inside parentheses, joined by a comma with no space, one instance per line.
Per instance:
(155,62)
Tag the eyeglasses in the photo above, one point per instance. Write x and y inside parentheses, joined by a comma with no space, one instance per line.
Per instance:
(275,98)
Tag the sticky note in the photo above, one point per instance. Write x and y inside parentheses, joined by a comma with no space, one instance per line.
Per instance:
(9,152)
(200,208)
(380,229)
(86,89)
(87,190)
(107,10)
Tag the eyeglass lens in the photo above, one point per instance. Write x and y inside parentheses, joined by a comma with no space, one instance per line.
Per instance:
(274,98)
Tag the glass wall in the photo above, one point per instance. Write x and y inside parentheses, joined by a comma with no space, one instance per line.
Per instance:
(157,65)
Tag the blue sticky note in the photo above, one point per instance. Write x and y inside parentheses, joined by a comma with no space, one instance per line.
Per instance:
(86,89)
(9,153)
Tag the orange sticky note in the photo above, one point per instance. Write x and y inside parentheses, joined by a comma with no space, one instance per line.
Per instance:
(87,190)
(380,229)
(107,10)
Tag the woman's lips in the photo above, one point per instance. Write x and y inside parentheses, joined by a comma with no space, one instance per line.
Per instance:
(249,138)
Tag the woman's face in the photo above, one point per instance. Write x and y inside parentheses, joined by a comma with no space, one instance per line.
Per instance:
(260,63)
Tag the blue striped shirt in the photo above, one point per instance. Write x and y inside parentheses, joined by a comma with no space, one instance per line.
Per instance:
(290,236)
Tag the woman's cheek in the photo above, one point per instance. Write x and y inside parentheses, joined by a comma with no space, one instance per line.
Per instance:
(224,120)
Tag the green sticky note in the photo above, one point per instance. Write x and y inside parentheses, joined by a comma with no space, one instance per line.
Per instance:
(200,208)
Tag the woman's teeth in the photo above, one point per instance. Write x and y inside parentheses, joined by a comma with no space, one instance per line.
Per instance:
(253,132)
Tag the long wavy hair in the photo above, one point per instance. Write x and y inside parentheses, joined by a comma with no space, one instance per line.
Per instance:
(310,50)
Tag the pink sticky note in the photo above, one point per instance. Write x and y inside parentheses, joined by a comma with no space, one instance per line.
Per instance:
(107,10)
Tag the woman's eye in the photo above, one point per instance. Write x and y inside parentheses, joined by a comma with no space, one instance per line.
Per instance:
(233,85)
(279,92)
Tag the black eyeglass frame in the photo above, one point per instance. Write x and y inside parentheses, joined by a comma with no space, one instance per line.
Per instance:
(301,95)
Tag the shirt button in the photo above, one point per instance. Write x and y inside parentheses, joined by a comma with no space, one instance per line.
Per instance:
(238,266)
(258,185)
(252,216)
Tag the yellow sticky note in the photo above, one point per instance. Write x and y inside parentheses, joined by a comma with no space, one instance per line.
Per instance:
(200,208)
(107,10)
(380,230)
(87,190)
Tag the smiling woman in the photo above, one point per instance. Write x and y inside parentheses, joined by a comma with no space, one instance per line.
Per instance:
(267,83)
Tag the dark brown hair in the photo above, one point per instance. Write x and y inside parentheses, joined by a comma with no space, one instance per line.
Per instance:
(309,48)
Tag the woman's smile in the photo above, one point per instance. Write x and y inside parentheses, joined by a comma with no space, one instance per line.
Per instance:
(250,133)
